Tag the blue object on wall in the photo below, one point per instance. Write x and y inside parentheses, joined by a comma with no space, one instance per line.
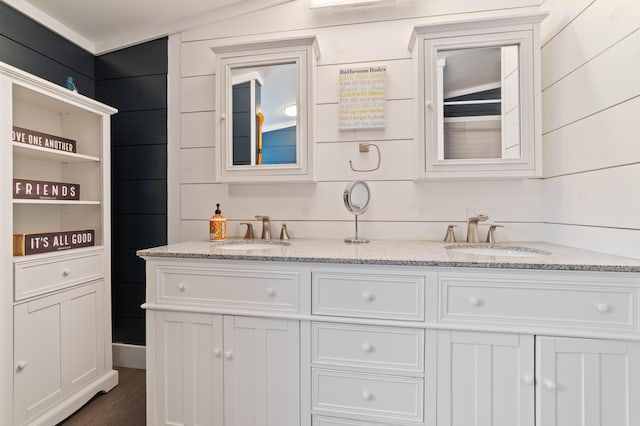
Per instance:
(279,146)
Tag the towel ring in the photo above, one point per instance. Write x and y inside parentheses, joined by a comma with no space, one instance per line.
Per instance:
(364,147)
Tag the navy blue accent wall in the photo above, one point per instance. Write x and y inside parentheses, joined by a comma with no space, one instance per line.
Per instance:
(27,45)
(241,124)
(134,80)
(279,146)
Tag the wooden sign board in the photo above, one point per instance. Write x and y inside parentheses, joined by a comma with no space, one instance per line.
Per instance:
(363,98)
(26,244)
(25,189)
(43,140)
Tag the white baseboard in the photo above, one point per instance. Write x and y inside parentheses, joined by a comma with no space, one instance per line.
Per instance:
(130,356)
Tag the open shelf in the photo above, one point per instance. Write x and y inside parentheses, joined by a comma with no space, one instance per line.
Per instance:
(58,202)
(39,153)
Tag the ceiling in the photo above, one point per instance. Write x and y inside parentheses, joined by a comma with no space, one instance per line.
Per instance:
(100,26)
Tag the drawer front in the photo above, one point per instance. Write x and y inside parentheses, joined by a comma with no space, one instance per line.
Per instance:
(43,275)
(559,303)
(381,296)
(392,350)
(385,399)
(335,421)
(243,289)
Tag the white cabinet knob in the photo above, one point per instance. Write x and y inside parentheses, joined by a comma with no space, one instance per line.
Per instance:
(528,380)
(550,385)
(474,301)
(367,347)
(22,365)
(228,355)
(367,396)
(217,352)
(181,286)
(368,296)
(271,292)
(66,272)
(429,104)
(603,307)
(223,116)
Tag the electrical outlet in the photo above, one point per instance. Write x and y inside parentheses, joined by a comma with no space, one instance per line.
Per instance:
(476,211)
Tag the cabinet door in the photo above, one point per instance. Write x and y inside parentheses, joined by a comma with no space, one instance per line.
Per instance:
(188,369)
(587,382)
(261,372)
(57,348)
(485,379)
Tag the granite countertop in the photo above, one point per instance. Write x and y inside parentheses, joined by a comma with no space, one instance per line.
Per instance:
(409,253)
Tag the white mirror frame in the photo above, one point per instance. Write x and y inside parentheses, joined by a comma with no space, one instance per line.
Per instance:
(302,51)
(522,30)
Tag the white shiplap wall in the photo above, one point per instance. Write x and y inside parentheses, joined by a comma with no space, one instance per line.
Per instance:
(400,207)
(591,108)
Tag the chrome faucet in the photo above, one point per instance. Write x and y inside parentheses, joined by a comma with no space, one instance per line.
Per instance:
(491,235)
(472,228)
(266,227)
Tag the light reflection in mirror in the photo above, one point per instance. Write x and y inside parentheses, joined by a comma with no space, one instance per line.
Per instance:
(478,95)
(262,133)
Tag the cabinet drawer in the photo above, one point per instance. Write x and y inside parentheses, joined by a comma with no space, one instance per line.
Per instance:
(43,275)
(243,289)
(381,296)
(393,350)
(386,399)
(570,303)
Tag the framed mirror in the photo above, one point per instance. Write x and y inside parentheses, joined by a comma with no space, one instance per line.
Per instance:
(479,98)
(356,198)
(263,108)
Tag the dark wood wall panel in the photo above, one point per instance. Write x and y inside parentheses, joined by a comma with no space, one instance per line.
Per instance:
(134,80)
(27,45)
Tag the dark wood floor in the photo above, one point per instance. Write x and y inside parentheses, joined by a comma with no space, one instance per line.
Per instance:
(124,405)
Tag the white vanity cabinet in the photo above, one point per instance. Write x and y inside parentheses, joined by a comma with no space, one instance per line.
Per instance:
(209,364)
(226,370)
(247,342)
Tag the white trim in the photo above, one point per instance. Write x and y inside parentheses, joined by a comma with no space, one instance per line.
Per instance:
(173,138)
(130,356)
(54,25)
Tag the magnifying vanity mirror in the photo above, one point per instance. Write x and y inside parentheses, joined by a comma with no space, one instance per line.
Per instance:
(479,97)
(263,107)
(356,198)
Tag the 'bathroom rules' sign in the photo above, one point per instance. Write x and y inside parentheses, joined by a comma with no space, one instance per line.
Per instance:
(363,97)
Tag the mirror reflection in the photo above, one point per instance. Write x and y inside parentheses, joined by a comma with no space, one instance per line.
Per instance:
(264,114)
(479,106)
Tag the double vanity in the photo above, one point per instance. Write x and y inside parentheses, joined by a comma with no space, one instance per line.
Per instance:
(324,333)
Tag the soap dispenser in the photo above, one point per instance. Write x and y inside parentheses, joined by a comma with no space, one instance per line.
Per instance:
(218,226)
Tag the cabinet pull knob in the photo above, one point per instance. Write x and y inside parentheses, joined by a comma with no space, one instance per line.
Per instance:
(217,352)
(368,296)
(367,347)
(66,272)
(22,365)
(550,385)
(429,104)
(181,286)
(271,292)
(367,396)
(474,301)
(528,380)
(603,307)
(228,355)
(223,116)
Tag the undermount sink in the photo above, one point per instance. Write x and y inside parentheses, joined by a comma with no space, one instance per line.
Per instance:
(497,250)
(243,245)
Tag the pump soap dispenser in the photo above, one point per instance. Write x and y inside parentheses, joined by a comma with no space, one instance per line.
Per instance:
(218,226)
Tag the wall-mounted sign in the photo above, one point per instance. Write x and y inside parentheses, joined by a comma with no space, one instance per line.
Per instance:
(43,140)
(25,189)
(26,244)
(363,97)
